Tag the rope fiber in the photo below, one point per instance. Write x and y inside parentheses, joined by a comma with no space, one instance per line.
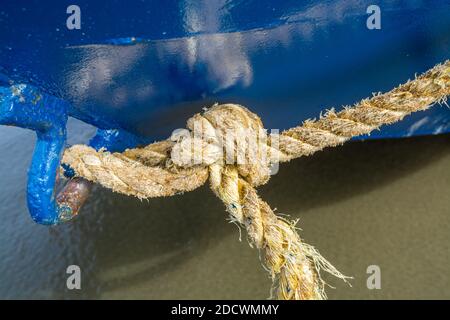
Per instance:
(191,157)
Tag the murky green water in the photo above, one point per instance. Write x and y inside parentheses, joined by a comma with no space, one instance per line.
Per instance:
(377,202)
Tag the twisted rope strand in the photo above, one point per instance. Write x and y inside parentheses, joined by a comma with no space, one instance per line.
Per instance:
(335,128)
(157,170)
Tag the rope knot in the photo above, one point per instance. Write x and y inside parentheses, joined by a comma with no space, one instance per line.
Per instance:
(227,134)
(228,145)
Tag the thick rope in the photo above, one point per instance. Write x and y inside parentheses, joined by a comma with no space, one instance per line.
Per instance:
(185,162)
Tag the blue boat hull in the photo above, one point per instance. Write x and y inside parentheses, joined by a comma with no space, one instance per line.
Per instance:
(147,66)
(137,70)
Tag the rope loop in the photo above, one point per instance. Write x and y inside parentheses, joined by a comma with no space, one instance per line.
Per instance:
(226,134)
(229,145)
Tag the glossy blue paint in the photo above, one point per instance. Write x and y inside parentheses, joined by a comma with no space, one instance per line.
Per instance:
(139,62)
(116,140)
(138,69)
(25,106)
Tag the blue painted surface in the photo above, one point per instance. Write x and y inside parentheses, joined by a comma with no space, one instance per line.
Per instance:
(24,106)
(286,60)
(138,69)
(117,140)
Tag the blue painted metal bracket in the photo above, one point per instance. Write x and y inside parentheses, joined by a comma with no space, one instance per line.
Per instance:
(26,107)
(117,140)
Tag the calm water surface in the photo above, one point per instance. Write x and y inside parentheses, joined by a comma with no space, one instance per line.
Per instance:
(375,202)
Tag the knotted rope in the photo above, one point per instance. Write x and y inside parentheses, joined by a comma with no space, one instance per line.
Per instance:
(189,158)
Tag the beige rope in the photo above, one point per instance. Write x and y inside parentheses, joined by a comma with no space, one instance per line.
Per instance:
(185,162)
